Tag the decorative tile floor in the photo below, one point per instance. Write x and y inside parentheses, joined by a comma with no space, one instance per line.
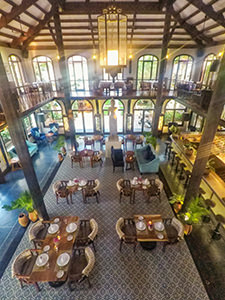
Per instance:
(124,276)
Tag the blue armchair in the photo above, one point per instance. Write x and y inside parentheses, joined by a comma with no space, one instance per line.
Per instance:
(38,137)
(53,126)
(117,158)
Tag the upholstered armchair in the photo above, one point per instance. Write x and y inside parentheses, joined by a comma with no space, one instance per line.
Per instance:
(117,158)
(54,128)
(82,264)
(126,231)
(23,265)
(37,233)
(38,137)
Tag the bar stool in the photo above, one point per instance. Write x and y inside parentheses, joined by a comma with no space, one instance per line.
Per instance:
(201,192)
(209,204)
(167,143)
(173,157)
(178,159)
(188,177)
(169,151)
(216,234)
(182,166)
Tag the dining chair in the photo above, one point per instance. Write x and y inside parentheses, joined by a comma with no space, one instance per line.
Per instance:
(22,267)
(126,230)
(60,190)
(87,234)
(174,230)
(91,190)
(126,190)
(82,263)
(76,157)
(155,189)
(97,158)
(37,233)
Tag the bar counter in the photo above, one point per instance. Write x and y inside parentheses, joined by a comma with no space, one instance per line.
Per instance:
(212,184)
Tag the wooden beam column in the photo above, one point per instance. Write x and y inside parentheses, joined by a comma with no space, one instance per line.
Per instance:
(65,78)
(162,70)
(8,102)
(208,135)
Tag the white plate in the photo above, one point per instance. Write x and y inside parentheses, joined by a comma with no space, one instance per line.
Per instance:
(140,226)
(60,274)
(53,228)
(71,227)
(70,183)
(69,238)
(159,226)
(42,259)
(82,183)
(160,236)
(56,220)
(134,182)
(63,259)
(140,218)
(46,248)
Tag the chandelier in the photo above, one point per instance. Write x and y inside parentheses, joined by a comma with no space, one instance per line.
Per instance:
(112,33)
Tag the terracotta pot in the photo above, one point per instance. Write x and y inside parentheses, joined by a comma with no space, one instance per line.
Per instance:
(187,229)
(189,152)
(63,150)
(23,220)
(33,216)
(60,157)
(177,207)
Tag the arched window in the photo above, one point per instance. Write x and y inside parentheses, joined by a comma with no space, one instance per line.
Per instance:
(143,114)
(16,70)
(119,114)
(53,113)
(174,112)
(43,70)
(182,68)
(205,74)
(78,71)
(147,68)
(83,116)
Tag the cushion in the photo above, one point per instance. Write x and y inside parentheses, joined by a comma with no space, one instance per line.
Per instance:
(37,133)
(151,156)
(54,129)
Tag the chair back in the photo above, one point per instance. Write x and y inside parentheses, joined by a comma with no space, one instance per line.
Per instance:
(20,260)
(179,227)
(119,225)
(35,229)
(126,187)
(94,229)
(56,186)
(129,229)
(90,257)
(119,184)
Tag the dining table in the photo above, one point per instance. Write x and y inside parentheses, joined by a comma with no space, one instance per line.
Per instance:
(150,229)
(139,184)
(56,243)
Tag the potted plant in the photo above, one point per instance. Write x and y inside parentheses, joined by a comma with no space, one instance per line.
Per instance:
(150,139)
(188,149)
(177,201)
(60,147)
(174,130)
(193,214)
(209,166)
(23,202)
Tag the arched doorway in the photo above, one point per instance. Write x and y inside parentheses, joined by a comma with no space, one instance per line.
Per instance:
(174,112)
(119,113)
(205,74)
(147,68)
(143,115)
(83,116)
(78,70)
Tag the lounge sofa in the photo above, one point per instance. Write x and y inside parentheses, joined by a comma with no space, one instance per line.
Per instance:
(147,160)
(32,148)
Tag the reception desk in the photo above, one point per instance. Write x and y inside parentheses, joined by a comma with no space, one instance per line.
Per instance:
(212,184)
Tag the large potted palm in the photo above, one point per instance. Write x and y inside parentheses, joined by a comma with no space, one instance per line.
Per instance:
(23,202)
(193,214)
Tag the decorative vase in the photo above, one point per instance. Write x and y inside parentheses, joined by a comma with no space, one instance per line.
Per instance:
(23,220)
(63,150)
(177,207)
(60,157)
(187,229)
(33,216)
(189,151)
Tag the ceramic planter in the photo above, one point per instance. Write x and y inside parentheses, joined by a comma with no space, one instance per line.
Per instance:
(177,207)
(63,150)
(23,220)
(187,229)
(60,157)
(33,216)
(188,151)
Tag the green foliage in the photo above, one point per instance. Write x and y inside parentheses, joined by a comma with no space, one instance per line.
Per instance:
(194,212)
(176,198)
(188,146)
(60,143)
(150,139)
(23,202)
(210,164)
(174,129)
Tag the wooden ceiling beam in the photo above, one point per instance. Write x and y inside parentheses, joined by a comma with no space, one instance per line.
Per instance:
(127,7)
(209,11)
(40,8)
(52,35)
(34,31)
(96,39)
(96,34)
(129,20)
(15,11)
(7,35)
(58,33)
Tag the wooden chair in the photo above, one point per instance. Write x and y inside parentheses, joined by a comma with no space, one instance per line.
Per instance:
(37,233)
(175,231)
(60,190)
(82,263)
(117,158)
(126,231)
(76,157)
(97,158)
(155,189)
(88,231)
(23,265)
(88,142)
(124,187)
(91,190)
